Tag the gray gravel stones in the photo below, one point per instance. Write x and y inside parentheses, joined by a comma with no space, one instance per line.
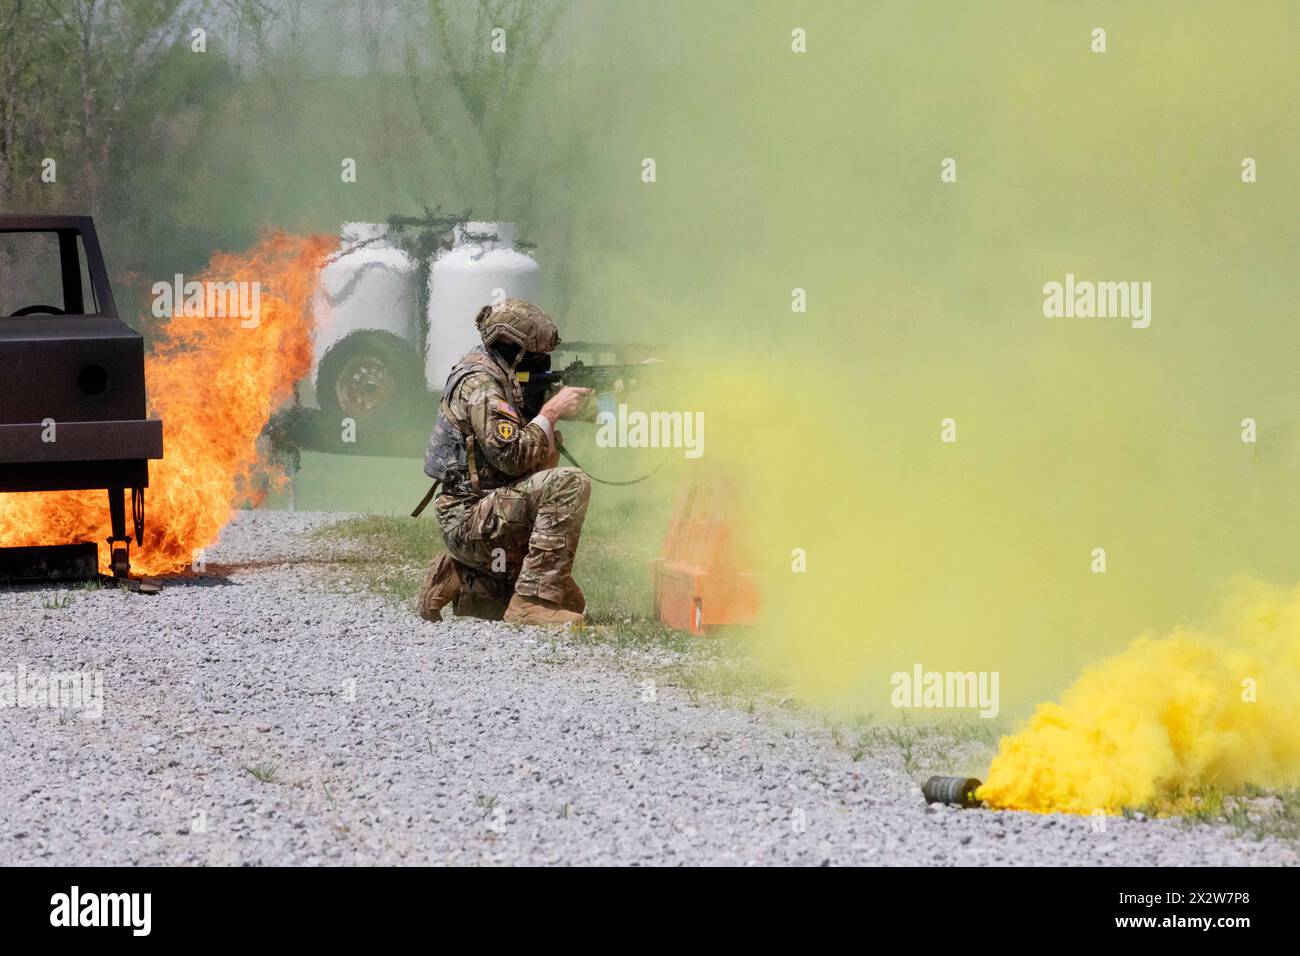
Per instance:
(260,714)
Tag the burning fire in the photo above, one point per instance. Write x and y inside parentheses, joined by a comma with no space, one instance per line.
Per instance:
(215,383)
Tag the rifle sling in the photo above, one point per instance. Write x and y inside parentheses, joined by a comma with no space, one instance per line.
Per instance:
(424,502)
(573,461)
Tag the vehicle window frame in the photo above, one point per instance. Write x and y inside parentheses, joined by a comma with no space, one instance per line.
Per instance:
(76,259)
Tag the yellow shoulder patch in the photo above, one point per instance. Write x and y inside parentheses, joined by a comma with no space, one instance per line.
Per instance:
(506,430)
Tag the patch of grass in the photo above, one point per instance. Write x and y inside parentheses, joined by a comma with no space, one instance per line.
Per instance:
(905,737)
(393,553)
(392,539)
(1236,813)
(264,771)
(399,585)
(1251,810)
(942,745)
(485,802)
(57,602)
(721,667)
(1284,821)
(92,584)
(631,633)
(1201,805)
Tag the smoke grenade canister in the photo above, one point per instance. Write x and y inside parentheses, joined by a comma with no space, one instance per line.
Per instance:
(959,791)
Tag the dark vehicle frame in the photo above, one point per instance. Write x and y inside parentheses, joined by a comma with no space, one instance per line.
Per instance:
(79,368)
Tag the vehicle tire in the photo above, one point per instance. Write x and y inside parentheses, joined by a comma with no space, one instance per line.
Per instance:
(369,377)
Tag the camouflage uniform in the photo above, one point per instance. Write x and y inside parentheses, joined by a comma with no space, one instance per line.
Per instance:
(505,511)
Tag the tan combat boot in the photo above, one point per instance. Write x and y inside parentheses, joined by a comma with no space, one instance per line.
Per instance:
(482,595)
(441,587)
(574,599)
(484,607)
(530,609)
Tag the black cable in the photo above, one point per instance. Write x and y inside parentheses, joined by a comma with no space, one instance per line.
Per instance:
(573,461)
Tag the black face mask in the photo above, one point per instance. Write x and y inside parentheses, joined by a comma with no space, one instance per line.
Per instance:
(535,362)
(531,361)
(534,391)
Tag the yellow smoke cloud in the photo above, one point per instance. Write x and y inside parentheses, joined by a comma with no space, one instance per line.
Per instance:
(1217,708)
(882,546)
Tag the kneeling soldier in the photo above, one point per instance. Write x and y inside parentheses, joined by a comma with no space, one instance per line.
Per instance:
(510,518)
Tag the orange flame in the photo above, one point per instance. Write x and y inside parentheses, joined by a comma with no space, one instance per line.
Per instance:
(215,384)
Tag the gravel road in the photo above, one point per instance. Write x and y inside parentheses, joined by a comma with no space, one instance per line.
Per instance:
(258,715)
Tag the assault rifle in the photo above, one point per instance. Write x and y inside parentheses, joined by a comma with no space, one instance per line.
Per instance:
(602,379)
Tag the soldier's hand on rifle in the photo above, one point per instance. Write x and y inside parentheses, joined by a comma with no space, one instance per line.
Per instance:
(566,403)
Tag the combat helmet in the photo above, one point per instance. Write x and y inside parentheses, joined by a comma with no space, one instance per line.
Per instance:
(518,322)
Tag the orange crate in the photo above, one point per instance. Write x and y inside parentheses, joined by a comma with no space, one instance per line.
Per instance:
(699,580)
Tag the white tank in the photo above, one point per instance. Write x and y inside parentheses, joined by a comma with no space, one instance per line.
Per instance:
(463,279)
(370,285)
